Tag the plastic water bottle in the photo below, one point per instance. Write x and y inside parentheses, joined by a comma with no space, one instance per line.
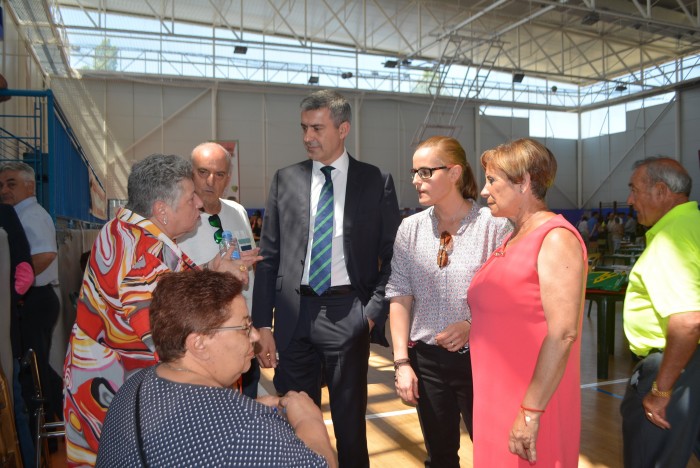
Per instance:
(228,241)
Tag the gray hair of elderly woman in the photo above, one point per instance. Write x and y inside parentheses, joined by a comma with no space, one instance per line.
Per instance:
(25,169)
(331,100)
(157,177)
(666,170)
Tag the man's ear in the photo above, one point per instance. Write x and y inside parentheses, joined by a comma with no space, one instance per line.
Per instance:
(344,129)
(660,189)
(32,186)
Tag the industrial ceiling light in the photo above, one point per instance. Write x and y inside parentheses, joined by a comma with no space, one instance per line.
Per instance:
(391,63)
(346,75)
(405,62)
(240,50)
(619,88)
(591,18)
(554,89)
(313,79)
(518,77)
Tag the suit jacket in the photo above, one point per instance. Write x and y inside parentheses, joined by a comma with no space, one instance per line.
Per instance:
(370,221)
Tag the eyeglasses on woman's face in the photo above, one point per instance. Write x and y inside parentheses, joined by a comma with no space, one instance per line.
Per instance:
(215,221)
(248,327)
(443,257)
(426,173)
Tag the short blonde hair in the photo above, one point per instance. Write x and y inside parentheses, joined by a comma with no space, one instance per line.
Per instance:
(524,156)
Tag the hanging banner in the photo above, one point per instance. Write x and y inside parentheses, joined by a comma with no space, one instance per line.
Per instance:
(98,198)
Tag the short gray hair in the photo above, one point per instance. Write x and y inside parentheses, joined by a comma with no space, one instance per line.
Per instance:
(331,100)
(666,170)
(25,169)
(156,178)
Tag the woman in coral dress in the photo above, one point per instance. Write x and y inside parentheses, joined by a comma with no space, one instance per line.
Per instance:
(527,304)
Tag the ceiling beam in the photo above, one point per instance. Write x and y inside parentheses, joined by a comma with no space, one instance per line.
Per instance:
(341,23)
(453,29)
(693,19)
(237,35)
(396,29)
(159,16)
(647,16)
(301,41)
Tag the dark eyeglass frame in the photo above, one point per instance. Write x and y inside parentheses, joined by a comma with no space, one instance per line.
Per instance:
(248,328)
(421,171)
(215,221)
(443,257)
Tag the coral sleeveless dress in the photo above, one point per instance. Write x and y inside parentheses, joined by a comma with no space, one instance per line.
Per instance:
(508,327)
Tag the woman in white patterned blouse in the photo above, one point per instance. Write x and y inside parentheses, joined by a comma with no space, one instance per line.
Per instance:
(436,254)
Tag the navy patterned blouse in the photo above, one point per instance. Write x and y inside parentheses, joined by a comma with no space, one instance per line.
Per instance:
(194,425)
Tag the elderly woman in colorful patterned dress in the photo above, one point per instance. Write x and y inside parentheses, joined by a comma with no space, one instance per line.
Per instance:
(111,338)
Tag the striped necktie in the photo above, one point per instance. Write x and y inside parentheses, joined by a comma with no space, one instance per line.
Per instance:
(321,252)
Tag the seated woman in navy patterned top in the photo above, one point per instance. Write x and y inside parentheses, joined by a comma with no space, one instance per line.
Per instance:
(184,411)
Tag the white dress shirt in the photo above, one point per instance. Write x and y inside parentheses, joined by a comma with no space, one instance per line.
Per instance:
(339,176)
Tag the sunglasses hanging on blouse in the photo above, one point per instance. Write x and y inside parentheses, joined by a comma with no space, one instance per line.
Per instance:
(443,257)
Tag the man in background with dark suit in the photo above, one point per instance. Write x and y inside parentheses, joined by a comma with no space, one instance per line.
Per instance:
(327,242)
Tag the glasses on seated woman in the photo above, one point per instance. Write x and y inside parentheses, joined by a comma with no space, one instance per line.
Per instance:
(186,409)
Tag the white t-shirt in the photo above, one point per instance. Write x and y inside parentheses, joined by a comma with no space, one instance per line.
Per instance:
(201,247)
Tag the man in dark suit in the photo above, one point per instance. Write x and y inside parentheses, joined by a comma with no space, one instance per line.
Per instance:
(326,287)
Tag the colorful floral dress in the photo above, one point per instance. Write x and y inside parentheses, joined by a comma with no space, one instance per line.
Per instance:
(111,337)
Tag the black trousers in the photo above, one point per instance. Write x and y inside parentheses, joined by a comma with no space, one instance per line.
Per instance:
(332,339)
(38,313)
(644,443)
(445,390)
